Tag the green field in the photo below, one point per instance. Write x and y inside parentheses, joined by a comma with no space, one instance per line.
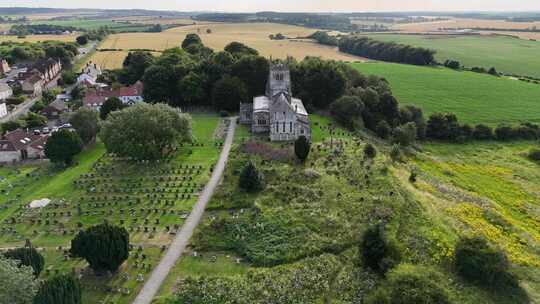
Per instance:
(473,97)
(506,54)
(96,24)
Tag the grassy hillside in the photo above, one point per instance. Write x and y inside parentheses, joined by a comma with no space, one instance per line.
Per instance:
(509,55)
(473,97)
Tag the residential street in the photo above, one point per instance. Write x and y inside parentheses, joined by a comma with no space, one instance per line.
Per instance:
(181,240)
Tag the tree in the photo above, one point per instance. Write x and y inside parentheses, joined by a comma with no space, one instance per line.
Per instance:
(493,71)
(443,126)
(17,284)
(135,65)
(145,131)
(251,180)
(253,71)
(11,125)
(378,252)
(405,135)
(478,262)
(85,122)
(347,110)
(105,247)
(228,93)
(34,120)
(69,77)
(409,284)
(82,40)
(302,147)
(62,146)
(190,40)
(504,132)
(27,256)
(63,289)
(238,49)
(369,151)
(452,64)
(110,105)
(395,153)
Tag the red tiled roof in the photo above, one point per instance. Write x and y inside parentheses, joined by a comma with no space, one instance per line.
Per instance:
(134,90)
(21,139)
(6,146)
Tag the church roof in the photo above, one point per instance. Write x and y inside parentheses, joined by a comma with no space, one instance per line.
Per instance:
(298,106)
(260,104)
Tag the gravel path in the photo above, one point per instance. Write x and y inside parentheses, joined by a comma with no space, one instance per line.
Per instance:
(181,240)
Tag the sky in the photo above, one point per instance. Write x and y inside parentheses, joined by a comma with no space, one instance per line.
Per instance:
(289,5)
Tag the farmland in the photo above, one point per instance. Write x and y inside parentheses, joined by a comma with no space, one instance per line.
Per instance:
(506,54)
(254,35)
(474,98)
(83,195)
(38,38)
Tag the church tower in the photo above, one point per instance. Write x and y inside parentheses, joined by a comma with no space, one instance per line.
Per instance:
(279,80)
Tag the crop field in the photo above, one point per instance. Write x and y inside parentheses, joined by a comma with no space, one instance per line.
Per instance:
(490,189)
(473,97)
(94,24)
(255,35)
(150,200)
(506,54)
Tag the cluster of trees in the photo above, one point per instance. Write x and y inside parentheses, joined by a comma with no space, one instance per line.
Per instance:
(39,29)
(324,38)
(26,51)
(19,270)
(456,65)
(386,51)
(445,126)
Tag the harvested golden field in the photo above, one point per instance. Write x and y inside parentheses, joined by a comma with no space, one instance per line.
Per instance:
(164,20)
(253,34)
(432,27)
(110,60)
(38,38)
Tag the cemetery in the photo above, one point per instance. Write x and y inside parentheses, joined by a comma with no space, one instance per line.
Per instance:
(150,200)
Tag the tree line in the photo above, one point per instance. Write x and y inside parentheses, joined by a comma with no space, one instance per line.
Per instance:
(386,51)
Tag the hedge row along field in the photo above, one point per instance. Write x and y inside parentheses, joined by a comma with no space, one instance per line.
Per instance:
(474,98)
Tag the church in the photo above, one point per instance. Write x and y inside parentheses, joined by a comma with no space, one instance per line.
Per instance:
(277,113)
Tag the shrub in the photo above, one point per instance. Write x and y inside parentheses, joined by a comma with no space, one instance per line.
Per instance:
(443,126)
(62,289)
(408,284)
(370,151)
(251,179)
(482,132)
(452,64)
(82,40)
(110,105)
(104,247)
(395,153)
(347,110)
(534,155)
(405,134)
(302,147)
(379,253)
(504,132)
(383,129)
(28,256)
(478,262)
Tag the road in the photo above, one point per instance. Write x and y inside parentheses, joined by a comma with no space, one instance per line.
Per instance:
(181,240)
(20,110)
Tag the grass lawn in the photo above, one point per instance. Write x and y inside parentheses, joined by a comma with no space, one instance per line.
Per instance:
(475,98)
(506,54)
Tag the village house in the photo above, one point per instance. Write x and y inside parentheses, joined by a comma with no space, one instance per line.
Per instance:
(96,96)
(33,85)
(5,93)
(55,109)
(38,75)
(277,113)
(20,145)
(89,74)
(4,67)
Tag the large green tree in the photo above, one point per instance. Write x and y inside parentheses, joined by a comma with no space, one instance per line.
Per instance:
(145,131)
(253,71)
(105,247)
(251,179)
(28,256)
(347,110)
(85,122)
(135,65)
(238,49)
(190,40)
(302,147)
(110,105)
(17,284)
(63,289)
(62,146)
(228,93)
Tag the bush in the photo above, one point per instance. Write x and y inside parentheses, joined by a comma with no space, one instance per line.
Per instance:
(408,284)
(28,256)
(482,132)
(34,120)
(504,133)
(383,129)
(347,110)
(443,126)
(69,77)
(251,179)
(534,155)
(369,151)
(302,147)
(110,105)
(405,135)
(11,125)
(82,40)
(104,247)
(480,263)
(379,253)
(63,289)
(395,153)
(452,64)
